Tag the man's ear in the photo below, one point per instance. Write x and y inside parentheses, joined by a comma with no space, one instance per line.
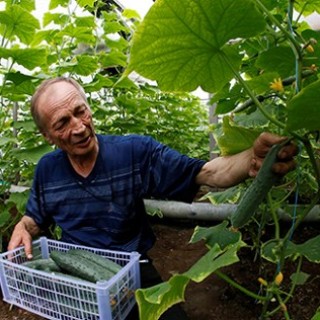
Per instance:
(47,137)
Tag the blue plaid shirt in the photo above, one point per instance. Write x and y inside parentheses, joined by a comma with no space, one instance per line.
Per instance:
(106,209)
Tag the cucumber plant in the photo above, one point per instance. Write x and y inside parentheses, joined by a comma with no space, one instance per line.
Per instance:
(259,61)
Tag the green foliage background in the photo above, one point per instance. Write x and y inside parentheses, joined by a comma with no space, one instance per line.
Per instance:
(90,41)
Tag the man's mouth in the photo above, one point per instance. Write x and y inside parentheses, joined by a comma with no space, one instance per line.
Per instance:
(84,141)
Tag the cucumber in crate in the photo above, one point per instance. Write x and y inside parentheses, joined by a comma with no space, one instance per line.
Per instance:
(84,268)
(98,259)
(71,282)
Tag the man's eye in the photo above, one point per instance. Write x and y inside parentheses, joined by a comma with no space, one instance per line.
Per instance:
(81,111)
(60,125)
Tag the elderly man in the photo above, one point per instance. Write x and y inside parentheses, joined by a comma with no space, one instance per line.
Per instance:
(93,186)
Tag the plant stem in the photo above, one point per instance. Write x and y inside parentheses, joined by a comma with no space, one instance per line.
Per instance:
(294,283)
(268,298)
(252,95)
(283,307)
(316,169)
(293,287)
(289,35)
(256,100)
(316,198)
(285,82)
(274,217)
(239,287)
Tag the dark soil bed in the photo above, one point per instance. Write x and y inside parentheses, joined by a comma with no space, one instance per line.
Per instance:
(213,298)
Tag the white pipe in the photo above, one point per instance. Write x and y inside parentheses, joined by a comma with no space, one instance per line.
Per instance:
(202,210)
(210,212)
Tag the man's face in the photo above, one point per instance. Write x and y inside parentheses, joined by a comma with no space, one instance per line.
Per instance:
(67,119)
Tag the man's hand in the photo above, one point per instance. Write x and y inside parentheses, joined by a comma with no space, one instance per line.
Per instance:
(286,155)
(223,172)
(22,235)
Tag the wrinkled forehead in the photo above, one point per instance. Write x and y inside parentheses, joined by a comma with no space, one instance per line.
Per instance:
(58,88)
(59,93)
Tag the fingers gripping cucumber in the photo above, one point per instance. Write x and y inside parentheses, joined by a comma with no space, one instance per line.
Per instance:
(258,189)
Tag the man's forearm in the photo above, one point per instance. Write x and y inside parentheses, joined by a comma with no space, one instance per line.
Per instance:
(225,172)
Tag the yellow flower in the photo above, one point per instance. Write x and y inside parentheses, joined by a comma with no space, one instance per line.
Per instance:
(277,85)
(313,67)
(309,48)
(263,282)
(279,278)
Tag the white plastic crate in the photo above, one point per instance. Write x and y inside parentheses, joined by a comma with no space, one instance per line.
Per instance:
(58,297)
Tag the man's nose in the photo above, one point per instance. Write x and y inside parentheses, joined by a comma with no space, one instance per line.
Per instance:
(77,126)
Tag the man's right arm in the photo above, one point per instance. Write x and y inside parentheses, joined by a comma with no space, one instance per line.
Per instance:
(22,235)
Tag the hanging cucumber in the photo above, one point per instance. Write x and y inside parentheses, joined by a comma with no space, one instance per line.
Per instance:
(258,189)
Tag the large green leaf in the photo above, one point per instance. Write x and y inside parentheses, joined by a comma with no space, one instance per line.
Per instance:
(155,300)
(235,139)
(84,65)
(17,84)
(309,249)
(84,3)
(88,22)
(16,92)
(29,5)
(27,125)
(227,98)
(5,140)
(261,83)
(19,200)
(32,155)
(219,234)
(81,34)
(55,3)
(280,59)
(5,217)
(278,5)
(113,59)
(57,18)
(227,196)
(19,22)
(28,58)
(312,58)
(304,109)
(50,36)
(184,44)
(307,7)
(131,14)
(316,316)
(98,82)
(18,77)
(299,278)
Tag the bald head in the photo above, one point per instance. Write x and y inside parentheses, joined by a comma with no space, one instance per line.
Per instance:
(44,86)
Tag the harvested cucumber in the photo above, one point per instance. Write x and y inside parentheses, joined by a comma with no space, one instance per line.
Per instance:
(96,258)
(80,267)
(42,264)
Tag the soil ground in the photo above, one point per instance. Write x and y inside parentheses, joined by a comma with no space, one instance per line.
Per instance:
(214,299)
